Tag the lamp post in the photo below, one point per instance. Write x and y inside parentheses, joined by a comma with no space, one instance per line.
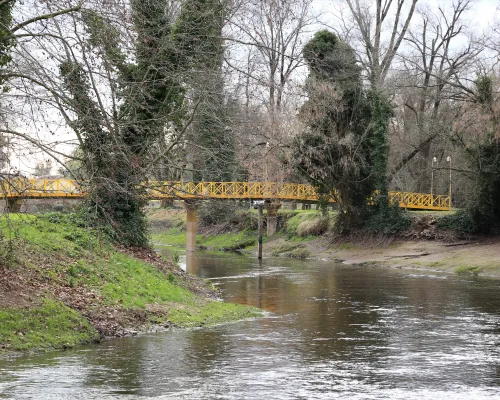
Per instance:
(267,163)
(449,160)
(434,160)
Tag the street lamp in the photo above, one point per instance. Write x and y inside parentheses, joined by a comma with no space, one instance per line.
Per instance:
(434,160)
(449,160)
(267,162)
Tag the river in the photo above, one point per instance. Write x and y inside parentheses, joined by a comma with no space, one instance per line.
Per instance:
(330,331)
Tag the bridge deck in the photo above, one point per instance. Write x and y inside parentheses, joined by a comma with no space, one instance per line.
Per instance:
(67,188)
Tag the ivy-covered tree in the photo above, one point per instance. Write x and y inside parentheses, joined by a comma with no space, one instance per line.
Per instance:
(113,201)
(344,149)
(170,57)
(155,96)
(6,37)
(117,151)
(332,152)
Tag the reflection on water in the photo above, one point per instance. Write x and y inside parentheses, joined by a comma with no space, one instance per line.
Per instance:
(332,331)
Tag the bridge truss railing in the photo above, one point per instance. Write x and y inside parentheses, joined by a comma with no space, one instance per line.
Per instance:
(68,188)
(35,188)
(232,190)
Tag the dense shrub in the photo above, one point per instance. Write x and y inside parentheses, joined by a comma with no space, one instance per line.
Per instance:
(74,219)
(461,222)
(388,219)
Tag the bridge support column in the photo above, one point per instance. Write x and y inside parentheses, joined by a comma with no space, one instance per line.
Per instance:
(190,226)
(13,205)
(272,217)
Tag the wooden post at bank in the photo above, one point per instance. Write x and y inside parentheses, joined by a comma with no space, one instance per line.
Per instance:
(261,216)
(190,227)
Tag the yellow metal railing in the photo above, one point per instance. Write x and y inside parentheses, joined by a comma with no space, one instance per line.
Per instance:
(232,190)
(67,188)
(48,188)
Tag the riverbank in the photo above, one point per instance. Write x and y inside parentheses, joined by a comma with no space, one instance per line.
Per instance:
(474,257)
(306,235)
(62,285)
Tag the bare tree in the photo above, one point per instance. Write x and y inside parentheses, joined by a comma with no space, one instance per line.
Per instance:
(21,25)
(272,34)
(436,84)
(275,30)
(371,25)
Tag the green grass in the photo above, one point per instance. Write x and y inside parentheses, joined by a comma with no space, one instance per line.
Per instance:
(134,283)
(173,233)
(170,238)
(228,242)
(50,325)
(468,270)
(58,251)
(52,233)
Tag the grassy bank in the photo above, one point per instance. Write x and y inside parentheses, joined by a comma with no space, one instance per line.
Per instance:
(61,285)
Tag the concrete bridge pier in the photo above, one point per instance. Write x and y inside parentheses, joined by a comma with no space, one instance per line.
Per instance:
(190,226)
(13,205)
(272,216)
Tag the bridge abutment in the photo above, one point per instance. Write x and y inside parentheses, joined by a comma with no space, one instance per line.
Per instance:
(272,216)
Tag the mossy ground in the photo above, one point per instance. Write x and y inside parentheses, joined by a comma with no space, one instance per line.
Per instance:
(211,313)
(468,270)
(57,276)
(291,249)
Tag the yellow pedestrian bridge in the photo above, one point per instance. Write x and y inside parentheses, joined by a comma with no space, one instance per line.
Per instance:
(20,188)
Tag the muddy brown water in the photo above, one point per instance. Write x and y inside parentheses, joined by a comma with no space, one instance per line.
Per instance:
(330,331)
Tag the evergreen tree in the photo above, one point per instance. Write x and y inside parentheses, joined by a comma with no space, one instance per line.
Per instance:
(333,152)
(344,151)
